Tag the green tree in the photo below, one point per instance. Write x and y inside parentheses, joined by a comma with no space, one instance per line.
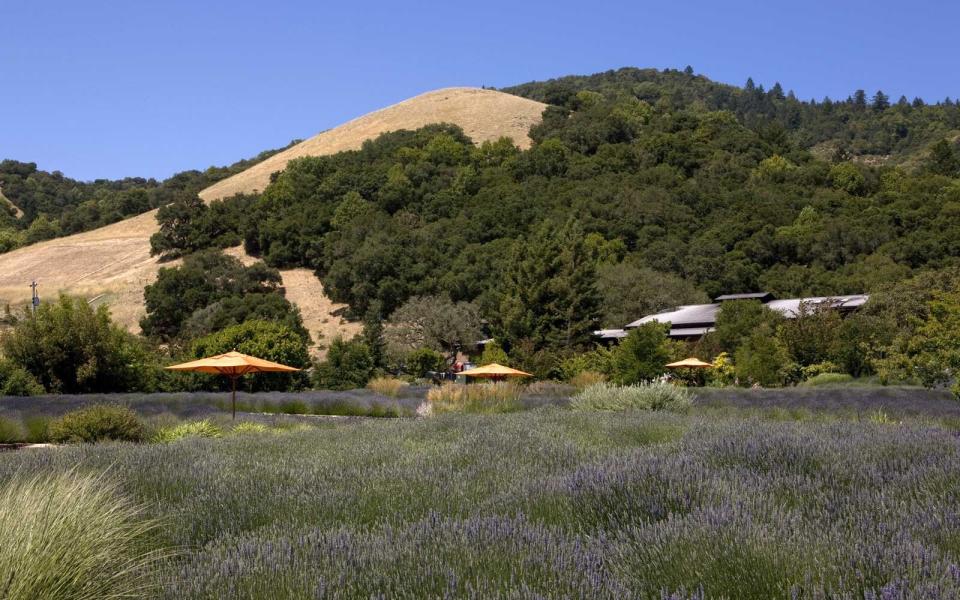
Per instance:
(549,295)
(203,279)
(630,291)
(71,348)
(735,322)
(761,358)
(493,353)
(931,352)
(642,355)
(348,366)
(179,232)
(943,159)
(812,336)
(434,322)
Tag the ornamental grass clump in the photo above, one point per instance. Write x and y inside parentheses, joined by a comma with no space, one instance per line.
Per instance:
(250,427)
(498,397)
(73,537)
(387,386)
(10,432)
(98,423)
(653,395)
(203,428)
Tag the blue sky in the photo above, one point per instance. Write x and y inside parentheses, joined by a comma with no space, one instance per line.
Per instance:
(110,89)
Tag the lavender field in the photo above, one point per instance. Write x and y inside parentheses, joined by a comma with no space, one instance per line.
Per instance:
(547,503)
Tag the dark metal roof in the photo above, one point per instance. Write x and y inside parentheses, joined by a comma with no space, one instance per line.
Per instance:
(761,296)
(692,315)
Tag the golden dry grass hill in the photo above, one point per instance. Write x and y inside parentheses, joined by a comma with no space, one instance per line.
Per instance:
(112,264)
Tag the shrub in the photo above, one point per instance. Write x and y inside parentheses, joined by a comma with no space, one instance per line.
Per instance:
(98,423)
(202,428)
(71,348)
(10,431)
(656,395)
(387,386)
(827,379)
(17,381)
(475,398)
(811,371)
(71,537)
(349,365)
(423,360)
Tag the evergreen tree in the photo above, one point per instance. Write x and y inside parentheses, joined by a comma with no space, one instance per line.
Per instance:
(750,86)
(549,293)
(943,159)
(776,92)
(860,99)
(372,334)
(881,101)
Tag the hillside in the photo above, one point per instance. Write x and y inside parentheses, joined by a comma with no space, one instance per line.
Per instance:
(484,115)
(112,264)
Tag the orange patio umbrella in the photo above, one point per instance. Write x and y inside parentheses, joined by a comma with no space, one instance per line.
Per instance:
(233,365)
(689,363)
(494,371)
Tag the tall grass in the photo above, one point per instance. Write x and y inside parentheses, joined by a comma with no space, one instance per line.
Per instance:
(655,395)
(387,386)
(498,397)
(73,537)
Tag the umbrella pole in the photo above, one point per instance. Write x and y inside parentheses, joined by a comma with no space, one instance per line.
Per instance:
(233,397)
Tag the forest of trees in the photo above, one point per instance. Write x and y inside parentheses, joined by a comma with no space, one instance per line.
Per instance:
(643,190)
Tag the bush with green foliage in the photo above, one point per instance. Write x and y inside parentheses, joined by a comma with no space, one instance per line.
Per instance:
(73,537)
(264,339)
(651,395)
(71,348)
(348,366)
(17,381)
(97,423)
(423,361)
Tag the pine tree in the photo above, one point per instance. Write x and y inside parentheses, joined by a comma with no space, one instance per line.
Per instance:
(860,99)
(750,86)
(549,297)
(776,92)
(372,334)
(881,101)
